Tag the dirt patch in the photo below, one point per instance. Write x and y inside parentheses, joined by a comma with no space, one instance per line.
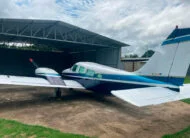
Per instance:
(91,114)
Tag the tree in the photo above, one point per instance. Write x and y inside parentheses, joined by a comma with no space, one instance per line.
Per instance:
(148,54)
(131,56)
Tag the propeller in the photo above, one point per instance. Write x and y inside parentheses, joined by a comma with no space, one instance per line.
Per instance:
(32,61)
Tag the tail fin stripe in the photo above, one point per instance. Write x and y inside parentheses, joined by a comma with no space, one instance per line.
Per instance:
(176,40)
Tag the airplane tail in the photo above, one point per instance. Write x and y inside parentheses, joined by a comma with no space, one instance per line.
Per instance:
(171,61)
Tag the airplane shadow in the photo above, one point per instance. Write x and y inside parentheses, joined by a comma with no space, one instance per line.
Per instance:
(105,100)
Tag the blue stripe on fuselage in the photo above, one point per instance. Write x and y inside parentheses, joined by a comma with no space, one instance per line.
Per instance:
(102,85)
(132,78)
(108,82)
(173,80)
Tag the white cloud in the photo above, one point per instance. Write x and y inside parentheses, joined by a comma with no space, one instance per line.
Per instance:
(138,23)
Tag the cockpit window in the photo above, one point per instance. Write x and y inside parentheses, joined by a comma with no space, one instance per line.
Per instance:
(74,68)
(90,72)
(82,69)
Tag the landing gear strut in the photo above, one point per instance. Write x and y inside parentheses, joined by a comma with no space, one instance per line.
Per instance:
(58,93)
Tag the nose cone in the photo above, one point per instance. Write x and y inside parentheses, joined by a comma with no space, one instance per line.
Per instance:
(66,71)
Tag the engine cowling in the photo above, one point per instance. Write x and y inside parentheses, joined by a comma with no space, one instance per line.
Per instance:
(46,72)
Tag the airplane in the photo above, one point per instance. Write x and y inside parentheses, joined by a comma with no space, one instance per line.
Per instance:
(160,80)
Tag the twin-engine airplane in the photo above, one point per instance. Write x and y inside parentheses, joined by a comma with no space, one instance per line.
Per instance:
(160,80)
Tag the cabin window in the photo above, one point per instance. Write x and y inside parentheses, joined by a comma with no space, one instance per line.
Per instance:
(99,75)
(90,72)
(82,70)
(74,68)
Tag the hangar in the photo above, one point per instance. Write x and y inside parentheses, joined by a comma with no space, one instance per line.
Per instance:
(76,44)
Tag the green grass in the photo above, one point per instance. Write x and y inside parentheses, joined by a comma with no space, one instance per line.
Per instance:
(187,80)
(185,133)
(186,101)
(14,129)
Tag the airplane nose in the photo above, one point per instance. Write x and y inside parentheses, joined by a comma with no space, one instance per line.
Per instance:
(66,71)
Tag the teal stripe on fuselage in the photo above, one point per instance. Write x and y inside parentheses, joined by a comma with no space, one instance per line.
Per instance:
(176,40)
(133,78)
(49,74)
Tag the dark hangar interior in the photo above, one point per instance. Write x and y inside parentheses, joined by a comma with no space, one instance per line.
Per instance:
(74,44)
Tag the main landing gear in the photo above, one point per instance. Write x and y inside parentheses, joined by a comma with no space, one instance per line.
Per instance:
(58,93)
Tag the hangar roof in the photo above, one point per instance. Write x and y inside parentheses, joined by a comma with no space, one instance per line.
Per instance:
(53,33)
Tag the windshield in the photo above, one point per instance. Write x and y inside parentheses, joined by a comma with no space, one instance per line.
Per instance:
(74,68)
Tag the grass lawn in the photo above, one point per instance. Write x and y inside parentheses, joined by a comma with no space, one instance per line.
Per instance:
(14,129)
(187,80)
(185,133)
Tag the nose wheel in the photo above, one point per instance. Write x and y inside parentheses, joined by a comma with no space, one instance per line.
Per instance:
(58,93)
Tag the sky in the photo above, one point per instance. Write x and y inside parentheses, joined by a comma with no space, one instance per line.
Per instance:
(143,24)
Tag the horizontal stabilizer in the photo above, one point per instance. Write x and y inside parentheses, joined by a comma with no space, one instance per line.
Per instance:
(152,95)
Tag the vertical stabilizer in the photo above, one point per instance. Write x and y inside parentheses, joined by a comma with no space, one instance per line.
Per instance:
(171,60)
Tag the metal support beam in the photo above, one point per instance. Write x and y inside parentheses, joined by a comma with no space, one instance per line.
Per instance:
(50,28)
(49,32)
(53,32)
(39,29)
(26,27)
(10,29)
(17,30)
(2,27)
(31,31)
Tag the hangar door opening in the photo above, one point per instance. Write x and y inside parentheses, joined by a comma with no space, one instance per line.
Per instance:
(70,44)
(16,62)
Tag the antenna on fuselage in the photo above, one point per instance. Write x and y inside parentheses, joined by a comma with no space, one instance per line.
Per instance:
(32,61)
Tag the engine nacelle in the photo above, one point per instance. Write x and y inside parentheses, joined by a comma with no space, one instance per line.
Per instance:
(46,72)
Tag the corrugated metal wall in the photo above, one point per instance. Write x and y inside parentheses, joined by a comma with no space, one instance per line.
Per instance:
(109,57)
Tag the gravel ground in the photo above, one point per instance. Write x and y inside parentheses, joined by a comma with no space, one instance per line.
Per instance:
(91,114)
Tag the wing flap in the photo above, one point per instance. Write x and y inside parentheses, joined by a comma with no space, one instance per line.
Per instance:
(152,95)
(39,82)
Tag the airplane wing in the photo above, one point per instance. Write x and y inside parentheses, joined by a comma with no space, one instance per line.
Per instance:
(40,82)
(152,95)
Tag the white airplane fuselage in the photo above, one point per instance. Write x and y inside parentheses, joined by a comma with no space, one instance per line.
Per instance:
(102,78)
